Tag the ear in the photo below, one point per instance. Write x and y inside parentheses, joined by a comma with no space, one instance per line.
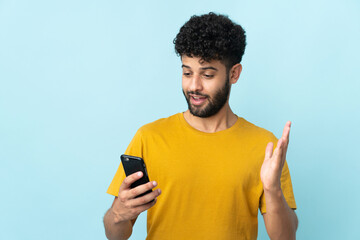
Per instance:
(234,73)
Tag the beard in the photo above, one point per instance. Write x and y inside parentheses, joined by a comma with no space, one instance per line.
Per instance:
(214,104)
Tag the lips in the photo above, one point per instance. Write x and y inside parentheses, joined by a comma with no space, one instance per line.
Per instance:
(197,99)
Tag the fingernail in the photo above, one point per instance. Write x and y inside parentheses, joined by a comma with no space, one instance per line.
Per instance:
(159,191)
(139,174)
(154,183)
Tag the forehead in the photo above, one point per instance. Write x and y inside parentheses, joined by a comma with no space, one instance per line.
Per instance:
(198,63)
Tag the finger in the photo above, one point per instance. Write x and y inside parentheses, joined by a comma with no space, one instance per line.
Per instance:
(269,150)
(144,199)
(278,151)
(286,131)
(145,207)
(281,153)
(141,189)
(283,156)
(130,180)
(284,151)
(286,135)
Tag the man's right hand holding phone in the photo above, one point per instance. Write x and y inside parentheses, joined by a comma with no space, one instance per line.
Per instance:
(126,206)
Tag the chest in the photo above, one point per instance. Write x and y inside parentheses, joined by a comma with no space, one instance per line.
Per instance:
(196,165)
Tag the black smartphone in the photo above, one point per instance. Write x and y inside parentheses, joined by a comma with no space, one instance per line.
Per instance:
(132,165)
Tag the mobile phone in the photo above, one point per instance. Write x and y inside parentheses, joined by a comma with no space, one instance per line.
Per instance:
(132,164)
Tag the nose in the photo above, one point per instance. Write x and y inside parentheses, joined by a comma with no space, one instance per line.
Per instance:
(196,83)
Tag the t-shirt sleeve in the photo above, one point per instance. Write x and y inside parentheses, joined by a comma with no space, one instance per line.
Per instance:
(286,188)
(135,148)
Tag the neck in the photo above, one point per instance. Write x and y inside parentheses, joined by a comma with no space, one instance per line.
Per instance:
(222,120)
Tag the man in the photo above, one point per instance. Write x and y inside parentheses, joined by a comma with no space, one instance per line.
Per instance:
(215,169)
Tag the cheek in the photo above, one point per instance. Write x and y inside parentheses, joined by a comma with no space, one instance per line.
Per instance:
(184,84)
(212,87)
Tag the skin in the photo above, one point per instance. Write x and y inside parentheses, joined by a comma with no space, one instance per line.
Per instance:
(280,220)
(206,78)
(121,217)
(199,77)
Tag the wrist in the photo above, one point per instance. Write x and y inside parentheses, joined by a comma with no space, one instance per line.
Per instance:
(117,218)
(274,193)
(275,200)
(272,187)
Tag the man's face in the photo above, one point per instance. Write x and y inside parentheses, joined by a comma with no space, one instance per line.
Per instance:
(205,85)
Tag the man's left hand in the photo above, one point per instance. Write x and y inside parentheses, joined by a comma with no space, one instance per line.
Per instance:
(274,162)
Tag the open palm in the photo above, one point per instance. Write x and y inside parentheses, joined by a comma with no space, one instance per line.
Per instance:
(274,161)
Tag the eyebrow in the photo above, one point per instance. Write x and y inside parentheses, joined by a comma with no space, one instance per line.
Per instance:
(203,68)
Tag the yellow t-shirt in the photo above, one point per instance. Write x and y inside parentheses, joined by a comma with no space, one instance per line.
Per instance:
(210,182)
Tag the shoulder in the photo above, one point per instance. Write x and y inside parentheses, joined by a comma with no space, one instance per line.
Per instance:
(160,125)
(255,132)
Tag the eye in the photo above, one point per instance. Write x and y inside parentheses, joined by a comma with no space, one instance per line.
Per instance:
(208,76)
(186,74)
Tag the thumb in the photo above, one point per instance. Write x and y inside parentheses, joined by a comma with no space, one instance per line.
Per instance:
(269,150)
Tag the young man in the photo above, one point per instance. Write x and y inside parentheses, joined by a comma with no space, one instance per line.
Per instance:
(215,169)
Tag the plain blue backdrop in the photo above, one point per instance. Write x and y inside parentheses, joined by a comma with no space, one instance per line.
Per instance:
(78,78)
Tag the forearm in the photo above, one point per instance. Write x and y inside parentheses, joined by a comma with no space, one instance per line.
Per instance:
(115,229)
(280,220)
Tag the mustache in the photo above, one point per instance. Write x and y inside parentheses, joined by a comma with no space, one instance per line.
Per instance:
(197,93)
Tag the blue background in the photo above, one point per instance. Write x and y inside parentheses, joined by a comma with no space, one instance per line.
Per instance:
(77,78)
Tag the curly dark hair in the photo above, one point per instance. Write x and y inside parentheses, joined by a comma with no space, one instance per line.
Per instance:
(211,37)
